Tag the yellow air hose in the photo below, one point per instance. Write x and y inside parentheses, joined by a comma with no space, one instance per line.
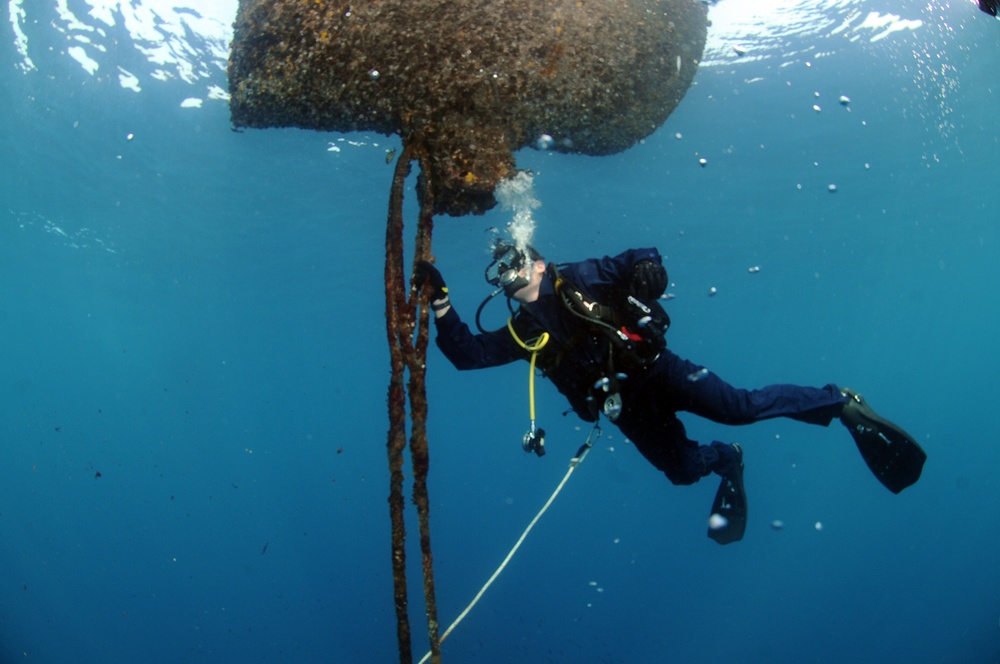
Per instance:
(532,348)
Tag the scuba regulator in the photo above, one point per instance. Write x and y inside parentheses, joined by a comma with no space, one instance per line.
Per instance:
(534,440)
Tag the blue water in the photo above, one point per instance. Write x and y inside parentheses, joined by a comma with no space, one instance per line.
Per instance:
(196,315)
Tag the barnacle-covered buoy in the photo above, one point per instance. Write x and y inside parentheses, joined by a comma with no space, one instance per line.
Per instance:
(468,83)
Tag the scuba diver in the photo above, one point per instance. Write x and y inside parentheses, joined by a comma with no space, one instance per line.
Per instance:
(596,329)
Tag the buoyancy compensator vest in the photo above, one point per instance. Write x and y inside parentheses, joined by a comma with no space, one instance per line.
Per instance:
(633,331)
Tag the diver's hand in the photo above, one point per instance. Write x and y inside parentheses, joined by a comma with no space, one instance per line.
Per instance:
(427,273)
(655,328)
(649,320)
(649,280)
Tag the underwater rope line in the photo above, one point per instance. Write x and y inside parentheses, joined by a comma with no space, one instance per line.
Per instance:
(577,459)
(408,355)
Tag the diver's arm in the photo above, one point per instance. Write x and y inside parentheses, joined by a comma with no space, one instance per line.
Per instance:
(473,351)
(603,277)
(441,307)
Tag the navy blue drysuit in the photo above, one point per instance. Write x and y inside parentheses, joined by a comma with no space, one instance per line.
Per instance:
(575,358)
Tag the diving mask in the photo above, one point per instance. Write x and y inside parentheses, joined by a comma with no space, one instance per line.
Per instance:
(505,270)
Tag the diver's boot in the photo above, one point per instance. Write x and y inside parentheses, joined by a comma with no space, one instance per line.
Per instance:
(728,520)
(891,453)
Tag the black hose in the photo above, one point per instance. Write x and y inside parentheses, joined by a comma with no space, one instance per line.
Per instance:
(482,306)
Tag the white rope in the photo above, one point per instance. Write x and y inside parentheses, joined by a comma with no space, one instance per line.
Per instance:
(573,463)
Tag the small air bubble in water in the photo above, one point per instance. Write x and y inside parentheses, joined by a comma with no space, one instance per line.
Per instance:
(697,375)
(544,142)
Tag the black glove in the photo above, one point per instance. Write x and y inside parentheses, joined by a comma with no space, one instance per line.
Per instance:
(648,319)
(649,280)
(425,272)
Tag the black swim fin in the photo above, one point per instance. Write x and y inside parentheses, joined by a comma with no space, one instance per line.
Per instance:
(728,520)
(891,453)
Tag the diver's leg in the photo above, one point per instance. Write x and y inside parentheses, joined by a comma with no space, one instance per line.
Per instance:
(691,387)
(892,454)
(659,435)
(661,438)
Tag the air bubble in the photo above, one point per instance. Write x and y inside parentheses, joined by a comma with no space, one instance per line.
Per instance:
(697,375)
(717,521)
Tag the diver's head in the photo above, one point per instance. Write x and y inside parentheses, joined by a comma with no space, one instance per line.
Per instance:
(528,284)
(516,270)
